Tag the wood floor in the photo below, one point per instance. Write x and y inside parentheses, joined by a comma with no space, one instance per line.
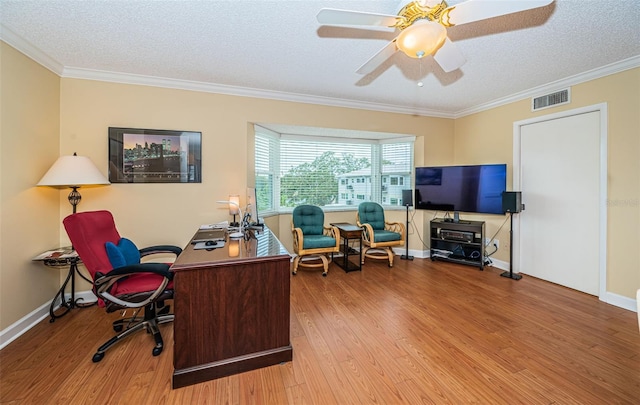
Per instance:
(422,332)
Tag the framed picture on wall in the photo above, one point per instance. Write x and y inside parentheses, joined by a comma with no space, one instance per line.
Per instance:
(154,156)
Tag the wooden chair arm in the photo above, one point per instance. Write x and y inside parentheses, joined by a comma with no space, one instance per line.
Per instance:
(333,232)
(298,239)
(367,234)
(395,227)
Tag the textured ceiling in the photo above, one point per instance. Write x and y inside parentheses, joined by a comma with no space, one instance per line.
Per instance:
(277,49)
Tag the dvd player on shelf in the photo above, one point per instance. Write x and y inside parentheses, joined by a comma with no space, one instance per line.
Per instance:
(456,235)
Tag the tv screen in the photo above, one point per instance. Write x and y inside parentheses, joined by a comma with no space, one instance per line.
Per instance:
(472,188)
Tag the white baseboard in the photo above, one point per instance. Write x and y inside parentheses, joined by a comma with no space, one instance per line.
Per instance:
(419,254)
(620,301)
(27,322)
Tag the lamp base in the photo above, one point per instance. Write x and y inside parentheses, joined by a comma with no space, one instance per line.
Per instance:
(406,257)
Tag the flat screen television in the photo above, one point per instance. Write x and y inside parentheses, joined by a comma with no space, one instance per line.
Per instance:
(471,188)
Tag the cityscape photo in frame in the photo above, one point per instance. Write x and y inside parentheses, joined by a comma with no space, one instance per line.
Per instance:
(154,156)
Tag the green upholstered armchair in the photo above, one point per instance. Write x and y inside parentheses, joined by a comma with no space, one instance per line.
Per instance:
(311,238)
(378,236)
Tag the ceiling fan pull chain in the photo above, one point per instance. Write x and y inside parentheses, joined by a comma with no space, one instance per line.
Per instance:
(420,84)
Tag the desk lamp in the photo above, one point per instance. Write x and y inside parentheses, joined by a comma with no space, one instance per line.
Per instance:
(73,171)
(239,233)
(234,208)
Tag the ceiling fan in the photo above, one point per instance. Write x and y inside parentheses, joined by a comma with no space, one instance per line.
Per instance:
(423,27)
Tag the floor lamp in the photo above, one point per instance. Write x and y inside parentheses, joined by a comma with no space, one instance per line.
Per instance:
(407,199)
(72,172)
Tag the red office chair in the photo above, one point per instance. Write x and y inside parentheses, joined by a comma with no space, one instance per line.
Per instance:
(120,281)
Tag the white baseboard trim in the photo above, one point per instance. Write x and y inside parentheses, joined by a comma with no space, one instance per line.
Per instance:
(418,254)
(500,264)
(21,326)
(620,301)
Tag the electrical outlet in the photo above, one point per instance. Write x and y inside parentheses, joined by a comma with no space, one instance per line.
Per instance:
(488,243)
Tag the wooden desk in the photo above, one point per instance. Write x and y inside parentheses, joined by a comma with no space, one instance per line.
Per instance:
(231,313)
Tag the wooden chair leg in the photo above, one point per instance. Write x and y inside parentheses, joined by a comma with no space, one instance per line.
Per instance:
(391,255)
(296,260)
(364,252)
(325,264)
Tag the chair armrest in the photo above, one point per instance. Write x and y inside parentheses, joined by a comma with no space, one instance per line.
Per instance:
(396,227)
(160,249)
(333,232)
(298,239)
(367,234)
(104,282)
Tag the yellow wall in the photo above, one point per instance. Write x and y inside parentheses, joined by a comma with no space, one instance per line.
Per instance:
(44,116)
(29,219)
(169,213)
(488,137)
(81,112)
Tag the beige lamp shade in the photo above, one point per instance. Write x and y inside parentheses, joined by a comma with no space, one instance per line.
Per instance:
(73,171)
(234,206)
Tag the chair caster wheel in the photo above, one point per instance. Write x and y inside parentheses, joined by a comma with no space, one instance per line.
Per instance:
(97,357)
(324,274)
(156,351)
(117,328)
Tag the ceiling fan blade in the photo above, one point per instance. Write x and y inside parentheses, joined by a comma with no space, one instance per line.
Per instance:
(449,56)
(375,61)
(476,10)
(334,16)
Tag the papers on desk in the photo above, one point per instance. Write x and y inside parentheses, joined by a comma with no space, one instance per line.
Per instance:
(219,225)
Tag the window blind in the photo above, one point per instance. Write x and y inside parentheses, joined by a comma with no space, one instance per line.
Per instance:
(330,172)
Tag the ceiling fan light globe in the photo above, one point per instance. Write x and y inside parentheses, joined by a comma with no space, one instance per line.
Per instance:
(422,38)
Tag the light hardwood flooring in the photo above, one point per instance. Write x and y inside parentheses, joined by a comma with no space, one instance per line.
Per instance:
(420,332)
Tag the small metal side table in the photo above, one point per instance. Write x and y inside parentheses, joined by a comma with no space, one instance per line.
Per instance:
(349,232)
(63,257)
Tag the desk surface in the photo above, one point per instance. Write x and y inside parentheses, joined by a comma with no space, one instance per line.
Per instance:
(255,245)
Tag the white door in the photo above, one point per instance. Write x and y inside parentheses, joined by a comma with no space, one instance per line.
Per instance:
(560,179)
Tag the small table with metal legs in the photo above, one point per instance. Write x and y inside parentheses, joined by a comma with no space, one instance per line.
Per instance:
(64,257)
(349,232)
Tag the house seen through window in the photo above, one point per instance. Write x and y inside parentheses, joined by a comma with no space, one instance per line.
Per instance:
(330,171)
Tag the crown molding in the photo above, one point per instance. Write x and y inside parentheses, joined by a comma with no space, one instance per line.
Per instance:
(27,48)
(56,67)
(616,67)
(123,78)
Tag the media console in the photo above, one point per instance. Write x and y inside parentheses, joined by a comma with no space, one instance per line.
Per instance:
(458,242)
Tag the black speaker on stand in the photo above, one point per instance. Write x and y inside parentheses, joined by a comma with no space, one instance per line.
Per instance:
(511,203)
(407,200)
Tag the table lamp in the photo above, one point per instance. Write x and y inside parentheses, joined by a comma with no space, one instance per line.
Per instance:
(74,172)
(240,232)
(234,208)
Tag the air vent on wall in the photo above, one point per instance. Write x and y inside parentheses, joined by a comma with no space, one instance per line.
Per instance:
(550,100)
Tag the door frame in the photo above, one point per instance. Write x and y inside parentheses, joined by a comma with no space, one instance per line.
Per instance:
(517,133)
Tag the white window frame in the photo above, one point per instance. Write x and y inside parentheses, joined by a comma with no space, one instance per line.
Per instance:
(374,180)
